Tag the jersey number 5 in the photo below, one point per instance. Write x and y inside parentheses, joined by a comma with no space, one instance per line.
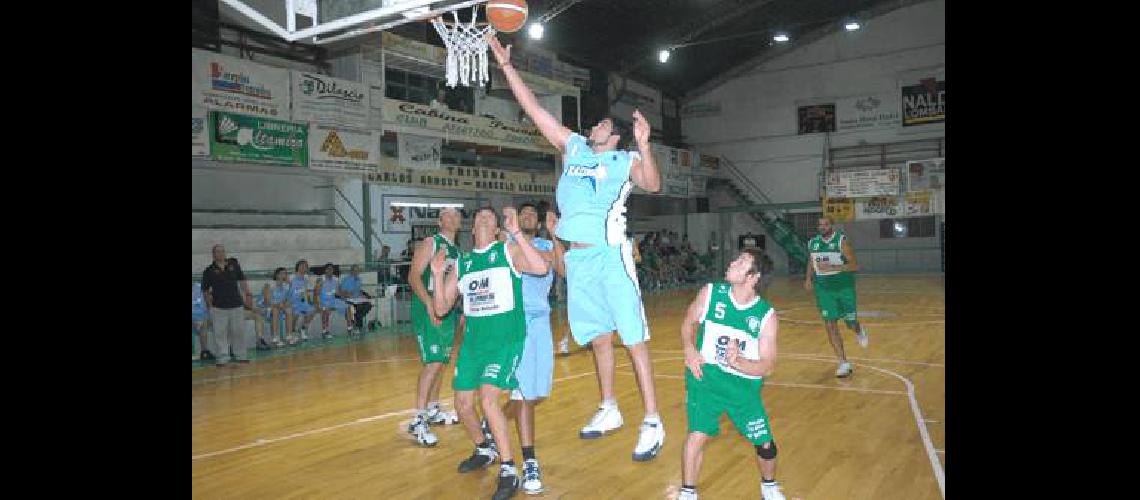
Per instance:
(718,313)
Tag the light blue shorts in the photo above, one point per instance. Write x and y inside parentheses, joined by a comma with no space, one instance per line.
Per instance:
(199,314)
(335,303)
(536,368)
(302,308)
(603,295)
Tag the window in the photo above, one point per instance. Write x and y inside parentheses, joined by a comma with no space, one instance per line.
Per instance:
(910,227)
(409,86)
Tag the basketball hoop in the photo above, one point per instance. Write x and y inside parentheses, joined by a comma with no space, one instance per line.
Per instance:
(466,49)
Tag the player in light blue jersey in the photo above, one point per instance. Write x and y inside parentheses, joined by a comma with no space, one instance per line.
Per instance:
(273,306)
(536,368)
(303,310)
(603,294)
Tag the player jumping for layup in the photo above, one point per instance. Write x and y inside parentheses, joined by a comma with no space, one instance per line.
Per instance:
(603,293)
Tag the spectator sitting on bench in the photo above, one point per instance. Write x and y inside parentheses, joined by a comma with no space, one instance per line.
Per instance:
(273,305)
(351,288)
(327,301)
(303,310)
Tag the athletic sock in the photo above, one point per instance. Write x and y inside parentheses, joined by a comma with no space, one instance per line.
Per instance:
(528,452)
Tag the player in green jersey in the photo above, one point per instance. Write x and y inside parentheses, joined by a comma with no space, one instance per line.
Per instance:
(490,279)
(729,340)
(434,328)
(831,274)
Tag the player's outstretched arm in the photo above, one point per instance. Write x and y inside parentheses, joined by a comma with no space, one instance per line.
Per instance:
(643,172)
(550,127)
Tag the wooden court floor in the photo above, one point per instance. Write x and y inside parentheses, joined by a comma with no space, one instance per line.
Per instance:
(329,423)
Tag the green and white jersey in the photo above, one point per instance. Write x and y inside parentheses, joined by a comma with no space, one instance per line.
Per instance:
(491,288)
(724,320)
(438,241)
(419,310)
(830,250)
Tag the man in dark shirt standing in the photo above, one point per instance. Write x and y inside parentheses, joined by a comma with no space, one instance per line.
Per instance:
(220,283)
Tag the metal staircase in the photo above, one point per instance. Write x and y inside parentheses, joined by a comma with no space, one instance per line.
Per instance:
(774,220)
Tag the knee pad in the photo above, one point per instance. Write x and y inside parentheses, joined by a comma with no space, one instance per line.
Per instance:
(767,453)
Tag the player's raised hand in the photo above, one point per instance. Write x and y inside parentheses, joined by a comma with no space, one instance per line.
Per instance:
(551,222)
(510,220)
(502,54)
(641,127)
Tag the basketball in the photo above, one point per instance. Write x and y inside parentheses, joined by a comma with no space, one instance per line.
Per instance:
(507,16)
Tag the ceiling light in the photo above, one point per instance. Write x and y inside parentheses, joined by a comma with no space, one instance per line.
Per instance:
(536,30)
(780,37)
(852,25)
(663,56)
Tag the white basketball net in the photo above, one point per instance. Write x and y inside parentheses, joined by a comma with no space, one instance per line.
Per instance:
(466,49)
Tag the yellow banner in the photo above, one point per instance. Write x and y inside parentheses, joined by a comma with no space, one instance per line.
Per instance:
(918,203)
(465,179)
(839,209)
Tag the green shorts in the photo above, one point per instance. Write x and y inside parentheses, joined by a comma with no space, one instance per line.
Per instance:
(704,409)
(835,303)
(435,341)
(493,363)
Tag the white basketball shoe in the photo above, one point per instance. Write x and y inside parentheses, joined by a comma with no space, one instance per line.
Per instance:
(605,420)
(650,439)
(771,491)
(844,370)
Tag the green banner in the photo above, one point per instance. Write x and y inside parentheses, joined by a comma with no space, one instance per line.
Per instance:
(236,137)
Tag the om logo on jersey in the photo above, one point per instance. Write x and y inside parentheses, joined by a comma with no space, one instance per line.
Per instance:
(589,173)
(722,348)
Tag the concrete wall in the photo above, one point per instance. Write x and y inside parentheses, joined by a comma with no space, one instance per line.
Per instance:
(757,125)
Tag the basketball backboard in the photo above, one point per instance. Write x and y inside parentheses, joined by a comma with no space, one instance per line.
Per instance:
(326,21)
